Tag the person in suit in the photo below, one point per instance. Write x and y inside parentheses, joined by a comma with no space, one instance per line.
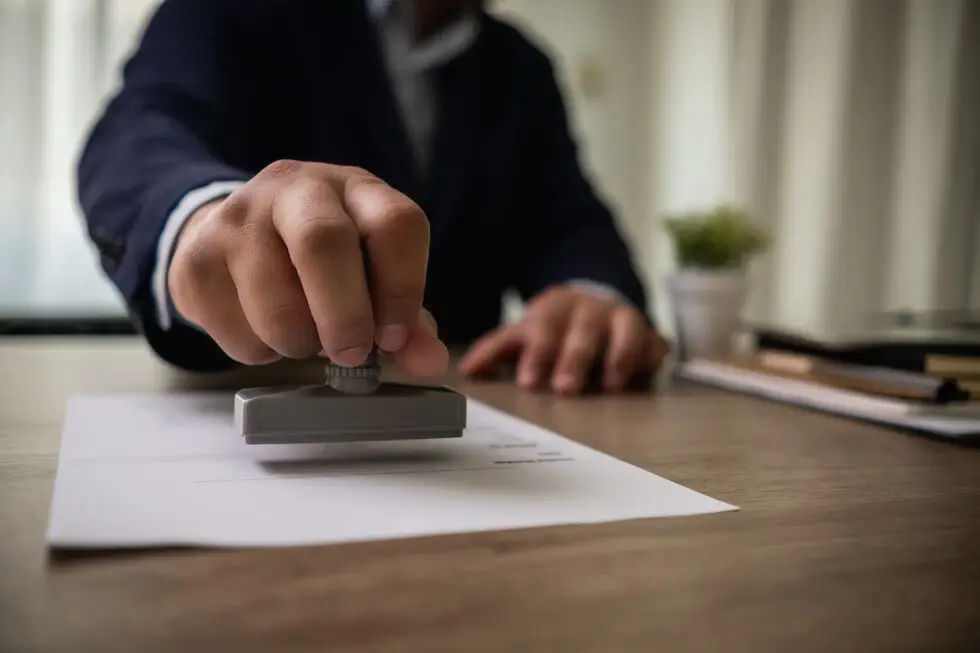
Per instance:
(292,178)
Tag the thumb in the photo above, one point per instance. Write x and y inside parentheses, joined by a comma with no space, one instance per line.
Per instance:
(423,354)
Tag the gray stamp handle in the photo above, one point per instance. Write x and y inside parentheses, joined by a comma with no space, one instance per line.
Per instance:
(321,413)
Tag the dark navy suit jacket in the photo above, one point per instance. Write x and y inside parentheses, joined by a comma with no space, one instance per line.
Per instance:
(218,89)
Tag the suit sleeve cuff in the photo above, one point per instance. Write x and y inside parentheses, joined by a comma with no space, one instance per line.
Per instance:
(189,203)
(602,290)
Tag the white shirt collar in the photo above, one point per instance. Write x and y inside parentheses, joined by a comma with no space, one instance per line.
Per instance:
(439,48)
(378,8)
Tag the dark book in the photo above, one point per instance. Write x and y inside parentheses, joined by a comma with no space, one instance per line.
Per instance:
(949,349)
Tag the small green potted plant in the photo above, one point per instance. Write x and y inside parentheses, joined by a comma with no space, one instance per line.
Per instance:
(708,290)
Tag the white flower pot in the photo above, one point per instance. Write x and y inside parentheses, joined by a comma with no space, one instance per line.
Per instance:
(707,309)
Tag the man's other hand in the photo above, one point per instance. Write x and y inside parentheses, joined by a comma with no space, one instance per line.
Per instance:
(565,332)
(278,269)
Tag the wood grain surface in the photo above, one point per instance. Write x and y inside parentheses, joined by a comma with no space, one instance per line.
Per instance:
(849,538)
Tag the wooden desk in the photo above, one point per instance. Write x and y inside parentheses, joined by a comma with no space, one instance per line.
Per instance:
(849,537)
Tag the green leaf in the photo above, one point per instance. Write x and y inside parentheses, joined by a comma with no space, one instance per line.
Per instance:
(722,238)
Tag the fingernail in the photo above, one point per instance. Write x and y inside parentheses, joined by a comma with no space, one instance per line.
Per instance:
(527,378)
(392,337)
(565,381)
(353,356)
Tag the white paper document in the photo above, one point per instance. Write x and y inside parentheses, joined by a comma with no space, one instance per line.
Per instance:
(164,470)
(938,420)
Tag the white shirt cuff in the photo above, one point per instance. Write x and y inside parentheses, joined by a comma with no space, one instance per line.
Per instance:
(602,290)
(189,203)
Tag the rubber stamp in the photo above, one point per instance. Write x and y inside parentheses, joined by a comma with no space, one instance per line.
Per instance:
(352,405)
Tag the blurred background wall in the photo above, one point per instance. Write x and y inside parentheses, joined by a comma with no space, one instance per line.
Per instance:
(59,59)
(848,127)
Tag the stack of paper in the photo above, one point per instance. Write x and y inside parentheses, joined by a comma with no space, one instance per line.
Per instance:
(821,397)
(145,470)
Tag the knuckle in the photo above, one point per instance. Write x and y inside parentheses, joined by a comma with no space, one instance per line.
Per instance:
(541,342)
(631,317)
(233,212)
(591,310)
(540,326)
(321,235)
(400,217)
(401,211)
(195,263)
(281,168)
(358,175)
(309,189)
(577,347)
(552,296)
